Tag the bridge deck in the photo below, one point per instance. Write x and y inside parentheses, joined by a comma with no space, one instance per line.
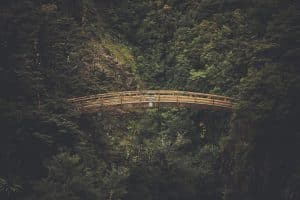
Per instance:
(152,98)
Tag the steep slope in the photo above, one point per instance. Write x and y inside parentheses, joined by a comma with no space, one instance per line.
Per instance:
(51,50)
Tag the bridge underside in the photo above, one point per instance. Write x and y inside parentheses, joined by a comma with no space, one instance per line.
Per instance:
(147,105)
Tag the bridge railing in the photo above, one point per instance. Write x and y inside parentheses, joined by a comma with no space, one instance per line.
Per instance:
(151,96)
(151,92)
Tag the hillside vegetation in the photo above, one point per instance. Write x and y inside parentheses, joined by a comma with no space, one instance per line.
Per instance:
(51,50)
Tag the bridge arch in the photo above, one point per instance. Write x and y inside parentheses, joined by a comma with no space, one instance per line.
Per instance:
(152,98)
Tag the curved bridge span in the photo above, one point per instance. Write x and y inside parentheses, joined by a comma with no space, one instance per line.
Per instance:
(152,98)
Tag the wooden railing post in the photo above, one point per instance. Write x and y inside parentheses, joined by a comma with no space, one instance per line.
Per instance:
(140,96)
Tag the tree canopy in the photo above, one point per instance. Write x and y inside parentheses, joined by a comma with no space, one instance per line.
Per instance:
(51,50)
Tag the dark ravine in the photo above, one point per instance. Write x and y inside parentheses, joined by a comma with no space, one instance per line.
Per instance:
(52,51)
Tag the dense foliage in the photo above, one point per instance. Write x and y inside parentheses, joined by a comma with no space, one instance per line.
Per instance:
(54,49)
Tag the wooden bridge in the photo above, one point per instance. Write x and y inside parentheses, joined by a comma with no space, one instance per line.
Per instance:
(152,98)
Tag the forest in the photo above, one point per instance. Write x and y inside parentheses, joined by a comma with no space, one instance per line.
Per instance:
(53,50)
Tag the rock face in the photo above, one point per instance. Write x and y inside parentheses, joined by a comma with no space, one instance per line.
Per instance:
(111,60)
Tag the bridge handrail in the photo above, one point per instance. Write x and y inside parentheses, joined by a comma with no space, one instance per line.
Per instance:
(150,92)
